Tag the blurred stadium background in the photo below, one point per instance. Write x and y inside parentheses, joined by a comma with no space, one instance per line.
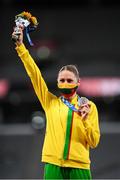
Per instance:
(85,33)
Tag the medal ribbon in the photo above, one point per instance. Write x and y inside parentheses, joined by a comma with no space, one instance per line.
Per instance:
(71,106)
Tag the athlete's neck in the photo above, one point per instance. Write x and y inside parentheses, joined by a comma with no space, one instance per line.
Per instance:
(69,97)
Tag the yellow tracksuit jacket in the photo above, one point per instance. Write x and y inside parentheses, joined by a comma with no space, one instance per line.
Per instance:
(83,134)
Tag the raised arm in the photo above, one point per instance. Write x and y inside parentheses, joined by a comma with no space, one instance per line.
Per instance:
(33,72)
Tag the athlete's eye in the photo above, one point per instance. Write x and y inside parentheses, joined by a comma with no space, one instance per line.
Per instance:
(62,80)
(69,80)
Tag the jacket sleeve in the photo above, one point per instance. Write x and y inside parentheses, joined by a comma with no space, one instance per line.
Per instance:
(37,80)
(91,125)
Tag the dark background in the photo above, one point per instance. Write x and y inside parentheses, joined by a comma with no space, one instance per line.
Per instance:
(85,33)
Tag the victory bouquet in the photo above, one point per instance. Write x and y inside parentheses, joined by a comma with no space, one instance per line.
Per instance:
(27,22)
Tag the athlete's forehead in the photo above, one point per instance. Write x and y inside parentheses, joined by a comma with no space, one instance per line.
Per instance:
(66,74)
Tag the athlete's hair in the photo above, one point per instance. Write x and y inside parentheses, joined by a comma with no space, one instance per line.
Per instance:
(71,68)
